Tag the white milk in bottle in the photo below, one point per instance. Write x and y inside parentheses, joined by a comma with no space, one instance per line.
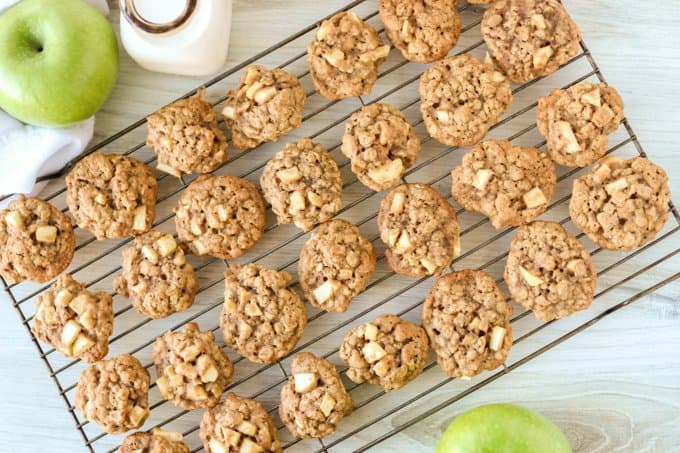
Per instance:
(187,37)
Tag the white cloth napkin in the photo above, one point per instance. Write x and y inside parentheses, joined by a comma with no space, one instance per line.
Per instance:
(27,152)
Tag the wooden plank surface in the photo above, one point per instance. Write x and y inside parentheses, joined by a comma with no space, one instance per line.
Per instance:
(613,387)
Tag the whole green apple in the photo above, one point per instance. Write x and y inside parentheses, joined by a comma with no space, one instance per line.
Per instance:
(58,61)
(502,428)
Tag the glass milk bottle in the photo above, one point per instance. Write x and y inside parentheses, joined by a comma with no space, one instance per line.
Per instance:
(187,37)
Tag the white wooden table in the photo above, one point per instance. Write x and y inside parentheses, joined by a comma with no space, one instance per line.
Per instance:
(613,387)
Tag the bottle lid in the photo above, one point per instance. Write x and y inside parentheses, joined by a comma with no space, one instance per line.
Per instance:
(154,26)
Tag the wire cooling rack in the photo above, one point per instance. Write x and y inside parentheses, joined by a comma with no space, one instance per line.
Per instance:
(380,420)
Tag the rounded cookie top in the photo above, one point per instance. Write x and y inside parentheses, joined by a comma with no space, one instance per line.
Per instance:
(73,320)
(302,183)
(36,239)
(192,370)
(381,145)
(621,204)
(262,319)
(314,399)
(335,265)
(420,229)
(577,121)
(511,185)
(114,394)
(239,424)
(154,441)
(220,216)
(549,271)
(156,276)
(344,56)
(529,38)
(266,105)
(112,196)
(468,322)
(186,137)
(388,352)
(423,30)
(461,98)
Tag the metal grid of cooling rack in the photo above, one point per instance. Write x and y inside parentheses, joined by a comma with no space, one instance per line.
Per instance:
(378,418)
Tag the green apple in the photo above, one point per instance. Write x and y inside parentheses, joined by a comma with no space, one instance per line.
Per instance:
(502,428)
(58,61)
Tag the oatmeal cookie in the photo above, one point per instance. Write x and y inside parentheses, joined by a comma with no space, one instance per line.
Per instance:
(154,441)
(420,229)
(314,400)
(36,239)
(621,204)
(381,145)
(461,98)
(112,196)
(262,318)
(239,425)
(114,394)
(156,276)
(220,216)
(529,38)
(577,121)
(266,106)
(511,185)
(73,320)
(186,137)
(388,352)
(468,322)
(302,182)
(344,56)
(549,271)
(423,30)
(335,265)
(192,370)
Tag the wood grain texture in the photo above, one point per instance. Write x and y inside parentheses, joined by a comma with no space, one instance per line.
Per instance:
(613,387)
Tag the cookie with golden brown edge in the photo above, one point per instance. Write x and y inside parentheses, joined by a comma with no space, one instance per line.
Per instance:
(186,138)
(381,144)
(73,320)
(335,265)
(468,322)
(239,425)
(114,394)
(221,216)
(154,441)
(388,352)
(303,184)
(156,276)
(262,317)
(461,98)
(621,204)
(36,239)
(423,30)
(112,196)
(530,38)
(266,105)
(511,185)
(344,56)
(314,400)
(577,121)
(420,229)
(549,271)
